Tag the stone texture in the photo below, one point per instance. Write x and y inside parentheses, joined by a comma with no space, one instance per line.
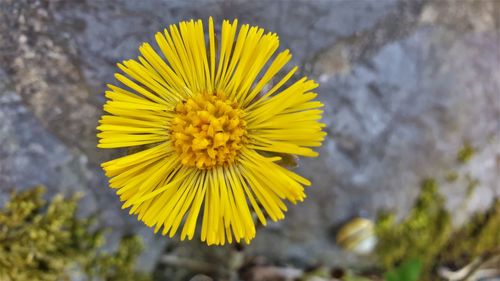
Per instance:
(31,155)
(405,85)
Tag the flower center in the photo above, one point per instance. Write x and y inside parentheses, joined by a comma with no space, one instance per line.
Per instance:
(208,130)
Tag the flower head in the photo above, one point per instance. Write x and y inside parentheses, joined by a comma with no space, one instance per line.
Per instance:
(211,130)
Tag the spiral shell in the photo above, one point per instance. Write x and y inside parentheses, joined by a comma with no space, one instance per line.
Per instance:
(358,236)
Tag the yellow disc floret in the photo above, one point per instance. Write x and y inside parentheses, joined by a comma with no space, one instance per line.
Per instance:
(208,130)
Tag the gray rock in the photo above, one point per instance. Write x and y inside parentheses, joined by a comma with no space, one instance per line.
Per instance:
(405,85)
(395,119)
(31,156)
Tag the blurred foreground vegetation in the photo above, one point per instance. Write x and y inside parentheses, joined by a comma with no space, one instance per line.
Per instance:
(427,235)
(42,240)
(470,252)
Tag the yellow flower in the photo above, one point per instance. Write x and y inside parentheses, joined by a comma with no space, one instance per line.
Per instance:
(212,130)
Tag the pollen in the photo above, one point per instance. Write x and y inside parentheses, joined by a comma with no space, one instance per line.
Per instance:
(208,130)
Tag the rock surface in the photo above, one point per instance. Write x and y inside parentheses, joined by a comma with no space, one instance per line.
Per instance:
(405,83)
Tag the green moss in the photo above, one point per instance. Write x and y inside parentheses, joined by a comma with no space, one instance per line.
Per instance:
(472,184)
(426,234)
(465,153)
(451,176)
(119,266)
(427,224)
(480,236)
(47,241)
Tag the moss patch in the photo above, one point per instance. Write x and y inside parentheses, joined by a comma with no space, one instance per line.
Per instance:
(481,236)
(426,234)
(465,153)
(42,240)
(422,235)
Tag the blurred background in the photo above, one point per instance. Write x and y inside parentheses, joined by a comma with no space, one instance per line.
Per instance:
(412,99)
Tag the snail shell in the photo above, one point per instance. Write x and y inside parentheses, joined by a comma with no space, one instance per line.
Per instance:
(358,236)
